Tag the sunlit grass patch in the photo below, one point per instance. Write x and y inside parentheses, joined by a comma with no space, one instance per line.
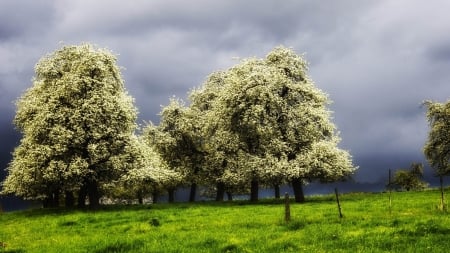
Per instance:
(368,226)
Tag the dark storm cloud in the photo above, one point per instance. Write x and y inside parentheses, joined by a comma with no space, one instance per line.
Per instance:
(381,163)
(378,60)
(9,139)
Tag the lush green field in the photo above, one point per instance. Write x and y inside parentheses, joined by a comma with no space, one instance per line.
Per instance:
(414,225)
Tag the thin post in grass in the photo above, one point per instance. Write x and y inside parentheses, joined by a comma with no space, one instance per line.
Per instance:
(390,192)
(287,208)
(338,203)
(441,181)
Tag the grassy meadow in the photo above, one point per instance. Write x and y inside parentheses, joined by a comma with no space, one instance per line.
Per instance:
(414,225)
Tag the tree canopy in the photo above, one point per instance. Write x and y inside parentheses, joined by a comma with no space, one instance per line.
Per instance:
(176,140)
(148,174)
(77,121)
(437,147)
(260,122)
(267,122)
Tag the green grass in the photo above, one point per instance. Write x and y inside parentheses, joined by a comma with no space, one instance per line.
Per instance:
(414,225)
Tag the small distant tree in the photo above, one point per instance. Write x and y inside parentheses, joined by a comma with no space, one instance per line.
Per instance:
(77,121)
(411,179)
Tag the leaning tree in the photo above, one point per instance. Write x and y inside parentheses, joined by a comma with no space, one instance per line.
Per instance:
(270,119)
(437,147)
(76,120)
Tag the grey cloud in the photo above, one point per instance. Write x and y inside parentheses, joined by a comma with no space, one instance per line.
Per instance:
(21,18)
(439,52)
(10,139)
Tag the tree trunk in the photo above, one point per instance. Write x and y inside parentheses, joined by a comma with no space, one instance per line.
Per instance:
(298,190)
(193,192)
(55,202)
(82,194)
(52,200)
(46,202)
(220,191)
(69,199)
(140,197)
(155,196)
(254,190)
(277,191)
(230,196)
(93,195)
(171,195)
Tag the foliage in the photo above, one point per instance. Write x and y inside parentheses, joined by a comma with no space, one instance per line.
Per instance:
(77,122)
(176,140)
(437,147)
(264,120)
(410,179)
(413,226)
(148,173)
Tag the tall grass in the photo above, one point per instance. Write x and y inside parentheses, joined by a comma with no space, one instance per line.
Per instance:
(414,225)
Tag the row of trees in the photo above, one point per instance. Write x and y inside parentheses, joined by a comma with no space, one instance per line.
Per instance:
(261,122)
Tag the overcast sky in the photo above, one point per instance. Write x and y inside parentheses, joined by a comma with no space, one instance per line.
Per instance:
(378,60)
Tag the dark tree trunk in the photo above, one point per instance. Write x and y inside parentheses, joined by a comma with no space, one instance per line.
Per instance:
(276,187)
(254,190)
(69,199)
(155,196)
(220,191)
(93,195)
(82,194)
(46,203)
(193,192)
(140,197)
(171,195)
(230,196)
(56,195)
(52,200)
(298,190)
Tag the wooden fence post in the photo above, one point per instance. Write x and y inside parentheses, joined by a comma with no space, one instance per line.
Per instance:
(338,203)
(287,208)
(441,181)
